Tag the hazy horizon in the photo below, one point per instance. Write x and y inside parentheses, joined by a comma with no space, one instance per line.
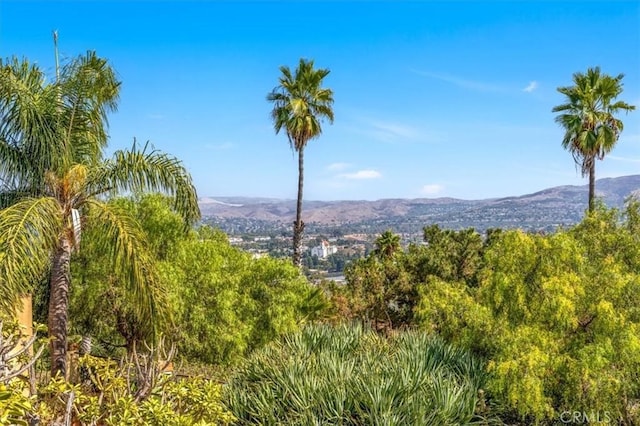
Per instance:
(306,199)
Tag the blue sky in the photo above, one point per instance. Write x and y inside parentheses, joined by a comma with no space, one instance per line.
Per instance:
(432,99)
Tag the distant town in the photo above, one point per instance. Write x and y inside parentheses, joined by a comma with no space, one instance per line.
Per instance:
(342,231)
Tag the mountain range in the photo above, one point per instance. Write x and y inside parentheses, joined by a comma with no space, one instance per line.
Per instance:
(542,210)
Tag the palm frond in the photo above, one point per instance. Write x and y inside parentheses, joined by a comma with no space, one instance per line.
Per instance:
(30,232)
(10,195)
(146,169)
(28,129)
(120,236)
(88,90)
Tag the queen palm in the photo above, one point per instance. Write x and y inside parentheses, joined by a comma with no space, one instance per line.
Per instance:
(55,182)
(300,105)
(588,118)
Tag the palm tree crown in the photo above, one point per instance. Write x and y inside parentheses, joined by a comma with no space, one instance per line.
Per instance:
(588,118)
(387,244)
(301,103)
(71,111)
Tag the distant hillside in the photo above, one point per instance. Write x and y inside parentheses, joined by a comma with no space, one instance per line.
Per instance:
(546,209)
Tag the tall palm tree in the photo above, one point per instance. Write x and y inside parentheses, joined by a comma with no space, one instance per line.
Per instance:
(588,118)
(300,103)
(55,182)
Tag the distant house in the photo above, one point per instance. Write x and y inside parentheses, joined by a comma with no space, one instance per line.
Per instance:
(323,250)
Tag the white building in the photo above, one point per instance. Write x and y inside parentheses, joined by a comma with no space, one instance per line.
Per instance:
(323,250)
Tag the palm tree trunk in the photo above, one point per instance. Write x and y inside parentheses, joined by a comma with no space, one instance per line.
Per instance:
(59,306)
(592,185)
(298,225)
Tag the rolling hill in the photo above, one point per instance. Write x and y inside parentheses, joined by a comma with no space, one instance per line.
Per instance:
(544,210)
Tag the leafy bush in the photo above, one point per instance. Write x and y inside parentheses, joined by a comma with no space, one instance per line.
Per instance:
(219,303)
(348,375)
(14,405)
(229,303)
(111,398)
(17,355)
(558,316)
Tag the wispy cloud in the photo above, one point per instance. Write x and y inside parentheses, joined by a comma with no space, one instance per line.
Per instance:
(624,159)
(531,87)
(219,146)
(362,174)
(431,189)
(479,86)
(387,130)
(336,167)
(630,138)
(155,116)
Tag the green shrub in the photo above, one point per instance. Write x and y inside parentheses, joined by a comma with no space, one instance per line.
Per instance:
(110,398)
(348,375)
(557,316)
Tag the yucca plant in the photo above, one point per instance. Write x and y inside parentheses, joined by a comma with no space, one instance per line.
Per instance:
(349,375)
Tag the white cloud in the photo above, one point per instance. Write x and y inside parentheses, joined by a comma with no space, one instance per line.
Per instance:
(335,167)
(531,87)
(432,189)
(362,174)
(155,116)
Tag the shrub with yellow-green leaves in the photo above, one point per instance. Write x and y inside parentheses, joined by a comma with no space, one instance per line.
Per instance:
(110,398)
(557,316)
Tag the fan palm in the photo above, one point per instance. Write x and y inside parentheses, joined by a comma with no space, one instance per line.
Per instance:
(300,105)
(55,181)
(387,244)
(588,118)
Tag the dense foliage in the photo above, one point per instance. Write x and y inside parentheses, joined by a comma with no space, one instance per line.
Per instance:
(220,302)
(351,376)
(557,316)
(457,330)
(230,303)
